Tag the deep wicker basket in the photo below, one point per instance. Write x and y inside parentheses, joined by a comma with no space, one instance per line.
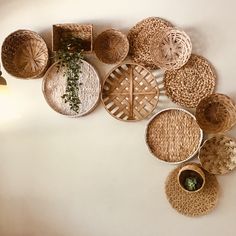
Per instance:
(25,54)
(111,46)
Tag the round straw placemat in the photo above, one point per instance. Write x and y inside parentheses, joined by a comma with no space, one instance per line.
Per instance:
(140,38)
(173,135)
(54,86)
(195,203)
(218,155)
(130,92)
(188,85)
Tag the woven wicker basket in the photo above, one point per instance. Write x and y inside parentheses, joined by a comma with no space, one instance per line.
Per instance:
(25,54)
(218,154)
(84,32)
(111,46)
(216,113)
(171,48)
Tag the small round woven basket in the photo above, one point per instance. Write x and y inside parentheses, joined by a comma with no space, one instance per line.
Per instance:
(111,46)
(218,155)
(216,113)
(25,54)
(171,48)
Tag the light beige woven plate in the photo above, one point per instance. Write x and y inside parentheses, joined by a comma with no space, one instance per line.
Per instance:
(140,38)
(130,92)
(188,85)
(195,203)
(218,155)
(173,135)
(54,86)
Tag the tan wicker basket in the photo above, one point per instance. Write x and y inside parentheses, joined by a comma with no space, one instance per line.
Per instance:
(25,54)
(216,113)
(111,46)
(173,135)
(82,31)
(218,155)
(170,48)
(130,92)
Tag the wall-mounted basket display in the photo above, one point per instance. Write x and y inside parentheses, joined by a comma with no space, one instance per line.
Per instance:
(140,38)
(54,86)
(218,155)
(25,54)
(188,85)
(130,92)
(81,31)
(111,46)
(173,135)
(216,113)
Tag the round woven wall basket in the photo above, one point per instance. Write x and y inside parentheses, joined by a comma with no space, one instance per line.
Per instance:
(171,48)
(216,113)
(25,54)
(111,46)
(173,135)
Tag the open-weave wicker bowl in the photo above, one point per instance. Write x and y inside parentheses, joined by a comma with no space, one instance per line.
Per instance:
(25,54)
(111,46)
(216,113)
(171,48)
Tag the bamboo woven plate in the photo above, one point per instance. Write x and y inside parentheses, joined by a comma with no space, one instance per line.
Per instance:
(140,38)
(195,203)
(216,113)
(25,54)
(218,155)
(188,85)
(130,92)
(54,86)
(173,135)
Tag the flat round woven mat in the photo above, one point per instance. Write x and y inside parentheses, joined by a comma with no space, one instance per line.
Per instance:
(192,204)
(188,85)
(54,86)
(173,135)
(140,39)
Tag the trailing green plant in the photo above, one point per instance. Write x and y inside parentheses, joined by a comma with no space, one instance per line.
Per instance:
(70,58)
(191,183)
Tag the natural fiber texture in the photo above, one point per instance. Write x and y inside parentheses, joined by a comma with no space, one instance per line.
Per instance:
(218,155)
(173,135)
(188,85)
(54,86)
(216,113)
(140,38)
(111,46)
(24,54)
(83,32)
(171,48)
(192,204)
(130,92)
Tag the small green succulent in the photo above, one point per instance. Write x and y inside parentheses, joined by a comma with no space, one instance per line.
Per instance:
(191,183)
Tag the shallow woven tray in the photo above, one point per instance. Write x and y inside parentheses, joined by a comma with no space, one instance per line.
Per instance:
(218,155)
(54,85)
(188,85)
(192,204)
(173,135)
(111,46)
(81,31)
(171,48)
(140,38)
(25,54)
(130,92)
(216,113)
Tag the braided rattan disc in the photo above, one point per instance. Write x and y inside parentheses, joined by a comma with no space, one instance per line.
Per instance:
(188,85)
(54,86)
(173,135)
(218,155)
(195,203)
(140,38)
(130,92)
